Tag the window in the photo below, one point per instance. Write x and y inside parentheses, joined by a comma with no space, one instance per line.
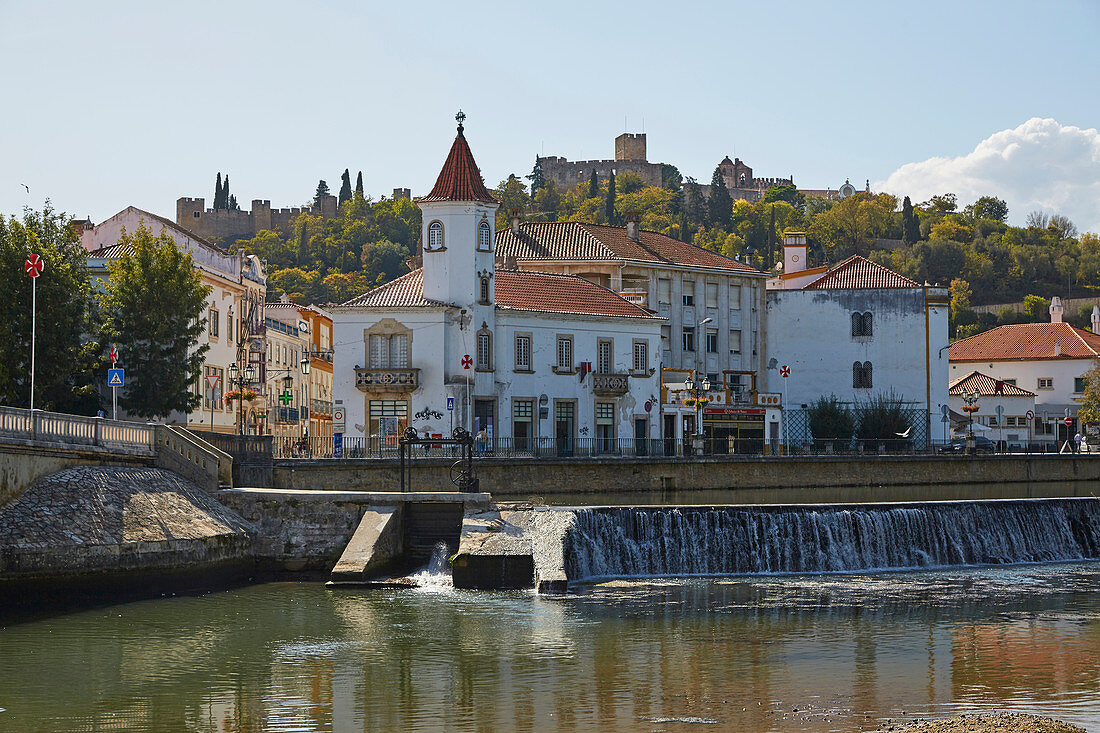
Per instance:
(1045,383)
(862,324)
(484,236)
(229,328)
(523,410)
(641,357)
(712,377)
(565,354)
(666,337)
(689,292)
(861,375)
(712,295)
(1009,381)
(605,413)
(603,357)
(712,340)
(1079,384)
(484,351)
(735,342)
(664,290)
(735,297)
(435,235)
(523,353)
(389,352)
(196,214)
(689,338)
(484,290)
(212,323)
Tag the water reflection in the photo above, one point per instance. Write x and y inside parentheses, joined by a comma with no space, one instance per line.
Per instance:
(784,654)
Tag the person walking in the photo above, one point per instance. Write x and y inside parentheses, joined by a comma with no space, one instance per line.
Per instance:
(1077,443)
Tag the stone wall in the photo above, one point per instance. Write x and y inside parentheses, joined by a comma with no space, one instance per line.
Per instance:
(22,462)
(91,520)
(741,480)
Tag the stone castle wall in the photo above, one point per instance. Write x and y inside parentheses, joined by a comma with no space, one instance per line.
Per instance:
(566,174)
(217,224)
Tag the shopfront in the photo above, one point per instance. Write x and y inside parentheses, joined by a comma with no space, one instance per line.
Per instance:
(734,430)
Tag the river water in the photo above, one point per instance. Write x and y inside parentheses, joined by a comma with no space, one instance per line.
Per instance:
(781,653)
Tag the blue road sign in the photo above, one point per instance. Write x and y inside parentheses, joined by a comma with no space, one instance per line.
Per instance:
(450,403)
(116,378)
(337,445)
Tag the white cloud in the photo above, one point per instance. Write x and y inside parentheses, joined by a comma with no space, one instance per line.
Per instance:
(1039,165)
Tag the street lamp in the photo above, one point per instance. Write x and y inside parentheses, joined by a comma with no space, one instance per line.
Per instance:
(240,379)
(697,400)
(309,393)
(971,406)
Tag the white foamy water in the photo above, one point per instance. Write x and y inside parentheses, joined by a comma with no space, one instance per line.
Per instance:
(437,573)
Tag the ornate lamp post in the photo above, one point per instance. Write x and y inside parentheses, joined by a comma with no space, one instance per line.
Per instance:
(241,380)
(698,399)
(309,393)
(971,406)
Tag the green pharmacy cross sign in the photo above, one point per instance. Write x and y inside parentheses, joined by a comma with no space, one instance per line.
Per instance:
(285,398)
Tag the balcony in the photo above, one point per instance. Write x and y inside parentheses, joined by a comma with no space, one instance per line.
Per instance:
(610,385)
(320,408)
(387,380)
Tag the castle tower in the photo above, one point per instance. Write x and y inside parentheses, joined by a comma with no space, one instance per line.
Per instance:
(630,146)
(457,238)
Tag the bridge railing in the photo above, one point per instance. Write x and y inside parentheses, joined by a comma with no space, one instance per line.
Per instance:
(57,427)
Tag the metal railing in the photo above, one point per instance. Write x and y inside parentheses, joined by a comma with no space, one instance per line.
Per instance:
(56,427)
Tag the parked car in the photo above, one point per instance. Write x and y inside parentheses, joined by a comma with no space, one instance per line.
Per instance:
(982,444)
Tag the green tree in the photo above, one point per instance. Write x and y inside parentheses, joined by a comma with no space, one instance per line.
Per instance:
(628,183)
(218,196)
(359,184)
(944,204)
(345,187)
(535,177)
(720,205)
(229,201)
(671,177)
(65,360)
(593,185)
(322,190)
(154,309)
(609,201)
(910,225)
(1089,411)
(987,207)
(787,192)
(831,422)
(1036,308)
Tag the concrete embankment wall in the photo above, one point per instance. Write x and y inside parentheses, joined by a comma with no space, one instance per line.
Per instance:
(84,522)
(745,480)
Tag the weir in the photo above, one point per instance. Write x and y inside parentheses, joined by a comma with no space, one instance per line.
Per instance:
(561,546)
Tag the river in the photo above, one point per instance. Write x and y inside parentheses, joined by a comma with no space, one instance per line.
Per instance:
(781,653)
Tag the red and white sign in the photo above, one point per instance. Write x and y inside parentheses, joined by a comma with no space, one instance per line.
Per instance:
(1030,415)
(1068,421)
(112,354)
(212,380)
(467,362)
(784,371)
(33,266)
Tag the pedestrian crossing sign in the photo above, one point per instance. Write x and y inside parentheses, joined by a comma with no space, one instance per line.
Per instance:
(116,378)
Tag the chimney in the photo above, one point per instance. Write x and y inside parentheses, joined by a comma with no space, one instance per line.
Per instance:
(794,252)
(1057,349)
(513,220)
(1056,309)
(1095,319)
(631,218)
(510,262)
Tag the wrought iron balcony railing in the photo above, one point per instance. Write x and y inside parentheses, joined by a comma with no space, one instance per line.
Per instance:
(610,385)
(387,380)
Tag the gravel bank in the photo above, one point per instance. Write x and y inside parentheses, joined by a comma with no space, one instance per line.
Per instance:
(997,723)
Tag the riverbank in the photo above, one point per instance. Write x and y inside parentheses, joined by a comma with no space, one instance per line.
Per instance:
(995,723)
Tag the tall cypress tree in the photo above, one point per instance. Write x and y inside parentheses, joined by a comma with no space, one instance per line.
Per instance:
(910,225)
(609,203)
(771,239)
(322,190)
(218,192)
(720,204)
(225,193)
(359,184)
(535,177)
(593,185)
(345,187)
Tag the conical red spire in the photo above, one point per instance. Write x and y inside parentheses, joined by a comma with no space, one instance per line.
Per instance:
(460,179)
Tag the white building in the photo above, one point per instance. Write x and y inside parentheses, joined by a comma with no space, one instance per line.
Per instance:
(857,331)
(712,306)
(235,307)
(1009,423)
(550,357)
(1050,358)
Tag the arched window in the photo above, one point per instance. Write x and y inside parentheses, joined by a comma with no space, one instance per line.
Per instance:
(857,324)
(867,382)
(484,236)
(857,375)
(868,329)
(484,290)
(484,350)
(435,235)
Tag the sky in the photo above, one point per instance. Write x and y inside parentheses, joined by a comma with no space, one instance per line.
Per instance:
(112,104)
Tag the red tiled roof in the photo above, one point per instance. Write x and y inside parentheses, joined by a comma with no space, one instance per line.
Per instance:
(1027,341)
(857,273)
(460,179)
(543,291)
(515,290)
(406,291)
(986,386)
(572,240)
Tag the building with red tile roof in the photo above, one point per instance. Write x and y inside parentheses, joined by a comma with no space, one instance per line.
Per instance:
(858,330)
(516,356)
(1050,358)
(1003,408)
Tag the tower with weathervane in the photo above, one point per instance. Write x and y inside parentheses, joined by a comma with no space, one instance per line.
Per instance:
(457,247)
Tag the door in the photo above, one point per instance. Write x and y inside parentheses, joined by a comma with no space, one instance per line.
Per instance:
(641,436)
(669,435)
(483,424)
(564,426)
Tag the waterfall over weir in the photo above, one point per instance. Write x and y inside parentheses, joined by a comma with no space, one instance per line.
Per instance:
(616,542)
